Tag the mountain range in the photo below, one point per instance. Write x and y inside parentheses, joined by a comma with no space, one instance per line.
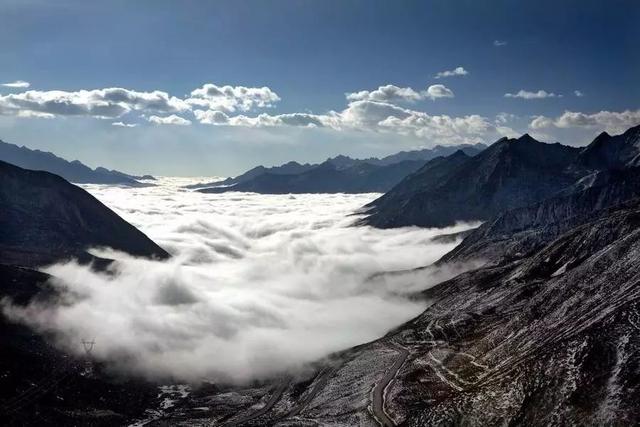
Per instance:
(340,174)
(511,173)
(543,327)
(73,171)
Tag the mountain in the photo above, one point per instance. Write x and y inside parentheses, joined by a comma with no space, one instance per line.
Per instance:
(289,168)
(258,179)
(326,178)
(44,218)
(508,174)
(612,152)
(521,231)
(431,153)
(73,171)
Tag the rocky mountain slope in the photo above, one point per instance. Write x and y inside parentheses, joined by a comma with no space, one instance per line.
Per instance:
(510,173)
(45,218)
(73,171)
(337,174)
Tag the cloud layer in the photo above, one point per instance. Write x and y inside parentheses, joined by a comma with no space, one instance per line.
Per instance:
(258,285)
(611,121)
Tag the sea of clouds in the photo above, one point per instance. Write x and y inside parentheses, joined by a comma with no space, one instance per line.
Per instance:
(257,285)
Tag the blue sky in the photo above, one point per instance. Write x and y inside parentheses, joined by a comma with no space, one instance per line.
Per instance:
(294,62)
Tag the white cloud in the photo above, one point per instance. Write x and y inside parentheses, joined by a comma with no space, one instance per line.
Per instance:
(387,93)
(19,84)
(541,122)
(503,117)
(524,94)
(169,120)
(611,121)
(458,71)
(499,43)
(376,116)
(438,91)
(229,99)
(258,284)
(392,94)
(99,103)
(34,114)
(124,125)
(578,93)
(116,102)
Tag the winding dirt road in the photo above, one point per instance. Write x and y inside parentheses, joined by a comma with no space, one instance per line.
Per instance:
(379,389)
(277,394)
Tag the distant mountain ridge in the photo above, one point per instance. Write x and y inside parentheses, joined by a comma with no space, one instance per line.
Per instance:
(336,174)
(73,171)
(511,173)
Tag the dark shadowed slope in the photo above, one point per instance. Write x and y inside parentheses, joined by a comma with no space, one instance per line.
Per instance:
(510,173)
(73,171)
(518,232)
(612,152)
(44,218)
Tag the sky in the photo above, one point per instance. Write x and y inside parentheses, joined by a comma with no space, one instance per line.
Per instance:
(214,88)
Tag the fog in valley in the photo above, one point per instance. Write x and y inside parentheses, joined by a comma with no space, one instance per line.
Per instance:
(257,285)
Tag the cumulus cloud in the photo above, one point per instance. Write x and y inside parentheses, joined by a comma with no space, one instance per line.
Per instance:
(578,93)
(124,125)
(229,99)
(458,71)
(99,103)
(387,93)
(524,94)
(169,120)
(19,84)
(505,117)
(394,94)
(262,120)
(438,91)
(499,43)
(611,121)
(257,284)
(375,116)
